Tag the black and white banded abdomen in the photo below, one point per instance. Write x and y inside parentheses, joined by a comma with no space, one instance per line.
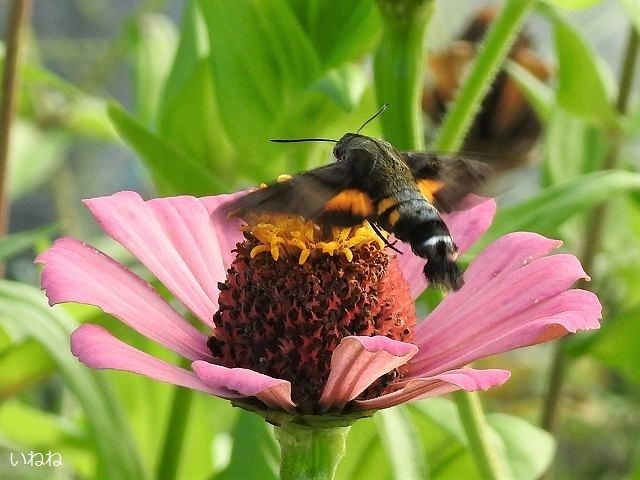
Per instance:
(417,222)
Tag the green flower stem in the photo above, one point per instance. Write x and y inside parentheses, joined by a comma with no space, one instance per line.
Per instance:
(169,460)
(17,23)
(310,453)
(450,138)
(477,430)
(494,50)
(399,70)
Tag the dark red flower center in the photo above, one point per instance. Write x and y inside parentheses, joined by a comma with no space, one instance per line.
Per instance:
(290,296)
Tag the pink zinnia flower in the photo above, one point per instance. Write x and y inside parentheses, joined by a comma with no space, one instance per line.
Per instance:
(328,327)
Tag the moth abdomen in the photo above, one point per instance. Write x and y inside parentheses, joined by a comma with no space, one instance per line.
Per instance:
(418,223)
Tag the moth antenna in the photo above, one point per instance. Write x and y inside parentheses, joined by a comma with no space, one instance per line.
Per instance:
(299,140)
(382,109)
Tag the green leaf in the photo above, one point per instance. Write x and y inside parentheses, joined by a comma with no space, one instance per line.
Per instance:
(51,328)
(82,114)
(87,117)
(344,85)
(23,365)
(583,81)
(575,4)
(35,155)
(339,31)
(443,413)
(189,117)
(262,61)
(443,435)
(539,94)
(545,212)
(33,427)
(573,146)
(29,428)
(366,457)
(632,8)
(191,124)
(257,458)
(525,451)
(528,450)
(402,443)
(617,346)
(154,45)
(173,172)
(16,243)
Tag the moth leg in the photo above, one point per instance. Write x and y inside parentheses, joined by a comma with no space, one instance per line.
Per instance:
(376,229)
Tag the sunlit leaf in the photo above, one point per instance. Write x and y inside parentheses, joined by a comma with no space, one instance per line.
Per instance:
(524,450)
(51,328)
(154,45)
(366,457)
(402,443)
(30,428)
(22,365)
(545,212)
(632,8)
(618,345)
(584,83)
(528,450)
(261,61)
(35,155)
(77,112)
(173,172)
(573,146)
(190,122)
(339,31)
(257,458)
(189,117)
(575,4)
(16,243)
(344,85)
(442,433)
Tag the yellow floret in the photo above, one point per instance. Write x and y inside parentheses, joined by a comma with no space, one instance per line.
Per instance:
(293,236)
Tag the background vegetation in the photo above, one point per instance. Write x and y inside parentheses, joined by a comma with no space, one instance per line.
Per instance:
(180,98)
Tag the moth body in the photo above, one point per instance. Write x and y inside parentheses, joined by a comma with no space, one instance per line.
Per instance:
(400,192)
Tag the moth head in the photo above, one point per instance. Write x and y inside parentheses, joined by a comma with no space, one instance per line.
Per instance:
(349,141)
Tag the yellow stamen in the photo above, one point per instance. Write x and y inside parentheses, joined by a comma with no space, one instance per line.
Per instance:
(293,236)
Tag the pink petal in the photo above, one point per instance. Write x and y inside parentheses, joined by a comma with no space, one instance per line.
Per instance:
(466,225)
(508,294)
(512,295)
(188,226)
(97,348)
(359,361)
(75,272)
(496,265)
(567,312)
(507,254)
(472,219)
(272,391)
(227,229)
(468,379)
(173,238)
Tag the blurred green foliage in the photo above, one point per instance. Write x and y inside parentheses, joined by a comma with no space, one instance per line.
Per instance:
(208,94)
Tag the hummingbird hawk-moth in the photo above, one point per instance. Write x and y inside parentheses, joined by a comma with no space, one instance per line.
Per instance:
(400,192)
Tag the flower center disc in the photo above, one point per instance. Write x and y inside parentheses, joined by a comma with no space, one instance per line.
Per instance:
(292,294)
